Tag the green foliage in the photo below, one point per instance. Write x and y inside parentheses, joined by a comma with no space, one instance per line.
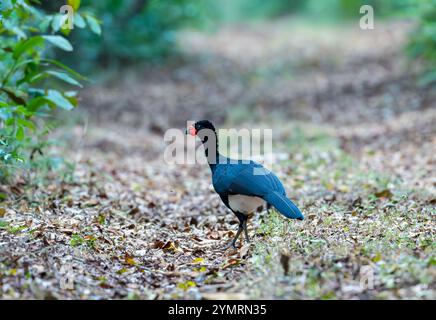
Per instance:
(146,31)
(133,30)
(423,42)
(236,10)
(350,8)
(30,82)
(76,240)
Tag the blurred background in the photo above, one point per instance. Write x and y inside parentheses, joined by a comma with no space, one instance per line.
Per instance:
(216,60)
(304,68)
(153,65)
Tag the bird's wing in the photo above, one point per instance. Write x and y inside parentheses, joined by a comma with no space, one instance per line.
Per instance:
(254,180)
(251,182)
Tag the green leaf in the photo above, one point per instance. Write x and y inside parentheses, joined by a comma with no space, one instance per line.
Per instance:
(79,22)
(22,110)
(13,96)
(93,24)
(20,33)
(56,22)
(64,25)
(62,66)
(59,42)
(186,285)
(26,123)
(46,21)
(76,240)
(27,45)
(73,100)
(70,94)
(74,3)
(3,224)
(65,77)
(6,5)
(59,100)
(60,75)
(36,103)
(20,134)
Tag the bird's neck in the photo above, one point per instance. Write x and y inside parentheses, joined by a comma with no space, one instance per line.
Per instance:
(212,153)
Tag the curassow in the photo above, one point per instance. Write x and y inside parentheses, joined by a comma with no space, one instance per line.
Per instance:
(244,186)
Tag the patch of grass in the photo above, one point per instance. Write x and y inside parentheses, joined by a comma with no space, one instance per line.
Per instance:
(3,224)
(76,240)
(16,229)
(383,230)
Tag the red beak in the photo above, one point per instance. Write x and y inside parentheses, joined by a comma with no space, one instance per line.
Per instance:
(191,130)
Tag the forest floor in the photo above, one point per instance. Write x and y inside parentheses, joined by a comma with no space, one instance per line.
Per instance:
(356,141)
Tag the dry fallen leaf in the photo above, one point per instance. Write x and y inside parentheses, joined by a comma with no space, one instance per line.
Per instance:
(91,203)
(172,247)
(243,252)
(384,194)
(284,260)
(198,260)
(214,235)
(231,263)
(129,260)
(158,244)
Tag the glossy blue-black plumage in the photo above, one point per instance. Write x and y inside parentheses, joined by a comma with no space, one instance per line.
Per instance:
(230,177)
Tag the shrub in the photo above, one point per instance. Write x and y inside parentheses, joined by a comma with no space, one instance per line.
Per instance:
(423,42)
(30,82)
(134,30)
(146,30)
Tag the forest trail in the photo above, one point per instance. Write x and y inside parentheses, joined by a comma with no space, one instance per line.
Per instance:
(359,140)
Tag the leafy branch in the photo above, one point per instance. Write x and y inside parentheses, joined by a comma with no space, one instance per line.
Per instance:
(33,84)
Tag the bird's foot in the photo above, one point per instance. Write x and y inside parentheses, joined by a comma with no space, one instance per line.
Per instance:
(230,245)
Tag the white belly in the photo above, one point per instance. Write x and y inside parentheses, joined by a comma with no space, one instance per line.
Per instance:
(245,204)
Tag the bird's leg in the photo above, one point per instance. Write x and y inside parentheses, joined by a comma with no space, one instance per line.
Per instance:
(241,227)
(268,208)
(233,243)
(244,225)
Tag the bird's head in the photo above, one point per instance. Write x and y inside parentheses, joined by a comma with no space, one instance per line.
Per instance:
(205,131)
(202,129)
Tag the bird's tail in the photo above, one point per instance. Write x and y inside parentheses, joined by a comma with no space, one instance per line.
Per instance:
(285,206)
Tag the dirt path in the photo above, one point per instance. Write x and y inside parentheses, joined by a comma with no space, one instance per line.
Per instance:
(359,140)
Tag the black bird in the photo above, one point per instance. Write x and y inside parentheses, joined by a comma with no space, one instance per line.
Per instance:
(244,186)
